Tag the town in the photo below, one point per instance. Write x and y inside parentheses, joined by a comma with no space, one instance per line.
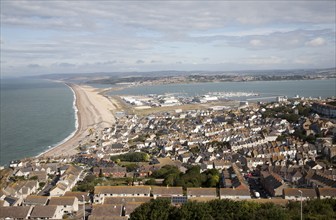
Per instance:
(264,152)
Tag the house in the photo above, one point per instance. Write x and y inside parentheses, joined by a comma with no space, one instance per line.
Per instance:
(325,193)
(79,196)
(116,171)
(124,200)
(221,164)
(69,203)
(92,217)
(15,212)
(185,157)
(15,163)
(41,175)
(35,200)
(22,189)
(59,189)
(295,194)
(296,177)
(24,171)
(126,191)
(106,210)
(202,192)
(46,212)
(147,170)
(272,182)
(12,201)
(130,207)
(229,193)
(166,191)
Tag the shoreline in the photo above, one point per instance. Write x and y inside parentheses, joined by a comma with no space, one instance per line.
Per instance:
(93,113)
(73,133)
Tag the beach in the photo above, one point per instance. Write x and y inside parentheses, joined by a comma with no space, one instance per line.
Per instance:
(94,113)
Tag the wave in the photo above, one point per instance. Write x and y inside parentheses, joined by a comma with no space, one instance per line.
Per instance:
(74,106)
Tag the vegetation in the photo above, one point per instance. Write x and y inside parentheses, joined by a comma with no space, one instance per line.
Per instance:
(192,178)
(90,181)
(228,209)
(41,185)
(132,157)
(286,112)
(33,178)
(332,103)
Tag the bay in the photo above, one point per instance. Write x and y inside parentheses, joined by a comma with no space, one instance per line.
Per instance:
(304,88)
(35,114)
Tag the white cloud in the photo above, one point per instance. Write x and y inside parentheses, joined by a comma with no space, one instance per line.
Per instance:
(255,43)
(316,42)
(258,60)
(119,35)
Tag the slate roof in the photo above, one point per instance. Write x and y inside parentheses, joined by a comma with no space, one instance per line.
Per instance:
(234,192)
(78,195)
(36,200)
(202,192)
(107,210)
(123,200)
(130,207)
(327,192)
(167,191)
(43,211)
(310,193)
(122,190)
(63,200)
(17,212)
(91,217)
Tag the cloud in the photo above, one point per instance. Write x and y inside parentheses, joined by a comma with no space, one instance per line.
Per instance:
(33,65)
(165,16)
(155,61)
(65,65)
(269,60)
(316,42)
(255,43)
(140,62)
(99,36)
(279,40)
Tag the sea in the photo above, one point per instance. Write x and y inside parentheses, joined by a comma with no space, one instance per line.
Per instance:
(35,115)
(266,90)
(38,114)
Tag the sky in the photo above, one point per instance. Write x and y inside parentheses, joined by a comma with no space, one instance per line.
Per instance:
(42,37)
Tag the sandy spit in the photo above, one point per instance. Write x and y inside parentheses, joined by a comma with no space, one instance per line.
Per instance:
(95,112)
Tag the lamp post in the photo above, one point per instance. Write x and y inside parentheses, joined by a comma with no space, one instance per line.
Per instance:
(83,206)
(301,202)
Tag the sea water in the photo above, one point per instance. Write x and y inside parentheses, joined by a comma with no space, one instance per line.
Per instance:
(35,115)
(290,88)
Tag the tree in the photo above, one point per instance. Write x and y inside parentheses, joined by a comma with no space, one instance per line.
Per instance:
(41,185)
(132,157)
(151,181)
(194,211)
(155,209)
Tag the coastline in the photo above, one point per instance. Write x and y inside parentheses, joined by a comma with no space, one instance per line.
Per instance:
(72,134)
(93,112)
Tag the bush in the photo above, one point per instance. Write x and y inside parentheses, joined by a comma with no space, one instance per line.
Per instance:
(132,157)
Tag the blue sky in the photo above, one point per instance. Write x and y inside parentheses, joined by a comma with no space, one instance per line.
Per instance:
(39,37)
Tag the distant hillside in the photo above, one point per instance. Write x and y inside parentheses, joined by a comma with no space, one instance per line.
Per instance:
(119,77)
